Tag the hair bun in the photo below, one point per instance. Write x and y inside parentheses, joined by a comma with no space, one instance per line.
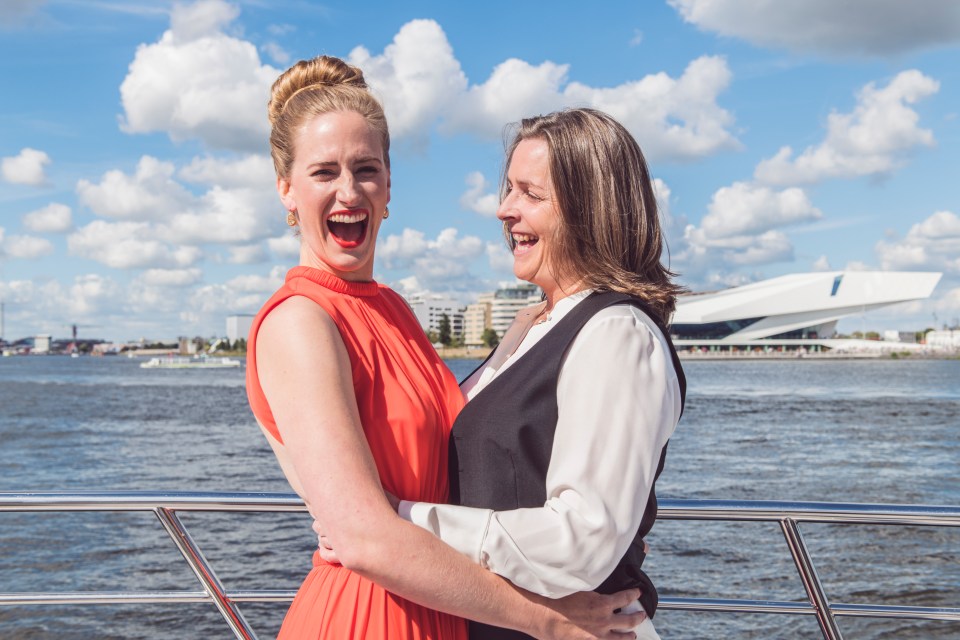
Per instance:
(307,74)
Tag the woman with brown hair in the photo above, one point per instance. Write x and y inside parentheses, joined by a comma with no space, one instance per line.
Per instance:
(354,400)
(556,454)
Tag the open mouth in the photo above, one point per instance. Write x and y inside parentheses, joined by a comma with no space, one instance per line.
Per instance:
(523,242)
(348,228)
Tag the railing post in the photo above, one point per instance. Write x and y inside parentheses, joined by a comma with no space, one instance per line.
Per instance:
(811,581)
(204,572)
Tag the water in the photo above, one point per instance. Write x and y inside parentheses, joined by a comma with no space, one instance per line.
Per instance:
(858,431)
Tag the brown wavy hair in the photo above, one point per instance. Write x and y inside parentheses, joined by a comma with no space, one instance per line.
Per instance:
(313,87)
(609,237)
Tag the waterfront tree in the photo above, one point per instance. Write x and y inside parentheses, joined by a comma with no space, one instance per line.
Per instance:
(446,338)
(490,337)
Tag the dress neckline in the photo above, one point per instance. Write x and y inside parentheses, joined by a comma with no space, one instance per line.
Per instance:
(327,280)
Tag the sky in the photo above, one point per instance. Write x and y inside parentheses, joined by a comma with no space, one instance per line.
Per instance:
(137,196)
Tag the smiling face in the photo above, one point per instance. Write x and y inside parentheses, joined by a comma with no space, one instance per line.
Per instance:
(339,185)
(529,211)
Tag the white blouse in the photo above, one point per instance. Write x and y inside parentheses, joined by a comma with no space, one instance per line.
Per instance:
(619,402)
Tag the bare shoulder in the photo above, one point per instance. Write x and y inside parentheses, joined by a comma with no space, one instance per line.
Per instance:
(296,328)
(296,314)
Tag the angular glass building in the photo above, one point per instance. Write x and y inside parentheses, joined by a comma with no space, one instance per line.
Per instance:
(791,309)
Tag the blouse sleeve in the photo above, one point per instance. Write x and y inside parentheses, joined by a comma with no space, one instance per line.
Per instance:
(619,402)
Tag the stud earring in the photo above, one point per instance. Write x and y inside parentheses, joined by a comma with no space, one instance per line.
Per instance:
(292,218)
(386,212)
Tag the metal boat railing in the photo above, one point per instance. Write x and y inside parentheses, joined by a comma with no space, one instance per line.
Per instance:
(789,515)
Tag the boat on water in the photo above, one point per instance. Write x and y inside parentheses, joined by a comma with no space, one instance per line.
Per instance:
(196,362)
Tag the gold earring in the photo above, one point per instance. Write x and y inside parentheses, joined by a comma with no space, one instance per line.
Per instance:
(292,218)
(386,212)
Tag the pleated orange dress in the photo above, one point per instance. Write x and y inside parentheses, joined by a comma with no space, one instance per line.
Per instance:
(408,400)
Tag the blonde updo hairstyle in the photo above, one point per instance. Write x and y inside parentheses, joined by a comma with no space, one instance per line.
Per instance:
(314,87)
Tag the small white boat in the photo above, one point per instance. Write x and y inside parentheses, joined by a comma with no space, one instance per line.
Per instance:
(199,362)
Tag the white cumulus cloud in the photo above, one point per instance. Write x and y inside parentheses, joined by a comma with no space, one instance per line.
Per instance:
(87,299)
(240,207)
(745,208)
(932,244)
(478,198)
(150,193)
(53,218)
(500,258)
(768,247)
(662,191)
(243,294)
(515,89)
(225,216)
(743,227)
(417,77)
(201,19)
(25,247)
(199,82)
(821,264)
(422,84)
(672,118)
(851,27)
(949,302)
(246,170)
(871,140)
(286,246)
(27,167)
(128,245)
(439,265)
(247,254)
(171,277)
(276,53)
(397,251)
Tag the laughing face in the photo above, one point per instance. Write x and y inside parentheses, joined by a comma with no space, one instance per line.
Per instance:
(339,185)
(530,213)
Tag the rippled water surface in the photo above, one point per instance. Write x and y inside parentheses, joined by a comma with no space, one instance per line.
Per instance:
(847,431)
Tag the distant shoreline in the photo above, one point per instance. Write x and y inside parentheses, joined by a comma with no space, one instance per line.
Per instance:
(753,355)
(463,353)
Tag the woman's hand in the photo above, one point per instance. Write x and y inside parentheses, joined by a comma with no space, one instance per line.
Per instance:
(326,550)
(590,615)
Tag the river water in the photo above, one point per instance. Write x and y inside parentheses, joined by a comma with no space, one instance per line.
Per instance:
(845,431)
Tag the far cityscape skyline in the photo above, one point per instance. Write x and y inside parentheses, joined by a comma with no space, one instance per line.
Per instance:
(774,301)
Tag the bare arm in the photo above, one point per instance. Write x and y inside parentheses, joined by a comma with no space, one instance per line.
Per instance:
(309,387)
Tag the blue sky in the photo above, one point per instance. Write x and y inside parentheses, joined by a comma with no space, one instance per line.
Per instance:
(137,196)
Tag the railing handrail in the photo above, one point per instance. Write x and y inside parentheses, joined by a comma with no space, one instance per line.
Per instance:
(674,509)
(788,514)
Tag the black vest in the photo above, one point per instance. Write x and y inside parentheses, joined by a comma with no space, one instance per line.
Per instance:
(502,439)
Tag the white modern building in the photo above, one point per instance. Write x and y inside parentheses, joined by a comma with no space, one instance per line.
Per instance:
(41,344)
(792,310)
(507,301)
(430,309)
(238,327)
(476,318)
(948,339)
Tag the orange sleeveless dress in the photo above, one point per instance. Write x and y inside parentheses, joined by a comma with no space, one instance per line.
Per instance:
(408,400)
